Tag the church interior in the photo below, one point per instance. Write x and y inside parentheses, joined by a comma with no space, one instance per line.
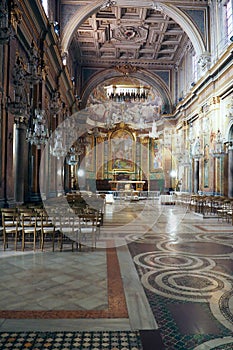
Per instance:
(116,174)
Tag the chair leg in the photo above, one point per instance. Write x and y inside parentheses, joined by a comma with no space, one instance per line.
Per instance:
(42,242)
(53,238)
(5,242)
(23,242)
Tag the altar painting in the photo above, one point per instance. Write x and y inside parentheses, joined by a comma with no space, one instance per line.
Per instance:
(122,150)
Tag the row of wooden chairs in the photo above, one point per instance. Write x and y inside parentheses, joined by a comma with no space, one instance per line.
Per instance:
(28,226)
(219,206)
(33,225)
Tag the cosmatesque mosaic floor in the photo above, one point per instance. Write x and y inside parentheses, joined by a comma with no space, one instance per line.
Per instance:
(160,278)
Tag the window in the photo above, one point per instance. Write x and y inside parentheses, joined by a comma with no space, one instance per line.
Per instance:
(228,19)
(194,67)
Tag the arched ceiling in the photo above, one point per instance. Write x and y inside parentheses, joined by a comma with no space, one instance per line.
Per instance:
(152,36)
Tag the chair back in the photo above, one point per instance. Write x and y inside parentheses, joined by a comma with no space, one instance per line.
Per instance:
(10,219)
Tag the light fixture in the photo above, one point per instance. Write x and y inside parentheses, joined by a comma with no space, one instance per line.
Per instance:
(72,157)
(38,133)
(127,92)
(108,3)
(58,149)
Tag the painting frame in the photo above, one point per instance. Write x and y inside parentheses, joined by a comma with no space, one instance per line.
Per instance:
(122,157)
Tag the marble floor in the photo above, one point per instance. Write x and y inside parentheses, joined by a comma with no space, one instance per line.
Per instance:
(160,278)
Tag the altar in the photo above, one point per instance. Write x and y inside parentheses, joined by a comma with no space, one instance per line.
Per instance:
(126,185)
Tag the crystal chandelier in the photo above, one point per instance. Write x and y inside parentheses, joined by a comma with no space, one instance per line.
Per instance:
(72,157)
(218,150)
(38,134)
(58,150)
(127,92)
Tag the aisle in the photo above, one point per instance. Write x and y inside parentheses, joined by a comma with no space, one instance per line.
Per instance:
(160,278)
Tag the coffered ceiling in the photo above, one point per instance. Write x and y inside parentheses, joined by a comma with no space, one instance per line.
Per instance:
(118,34)
(148,38)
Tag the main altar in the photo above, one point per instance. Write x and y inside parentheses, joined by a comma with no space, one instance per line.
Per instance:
(127,185)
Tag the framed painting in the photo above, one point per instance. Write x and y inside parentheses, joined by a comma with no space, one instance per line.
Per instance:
(155,156)
(122,150)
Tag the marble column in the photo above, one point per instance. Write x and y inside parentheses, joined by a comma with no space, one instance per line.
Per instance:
(230,171)
(196,175)
(20,167)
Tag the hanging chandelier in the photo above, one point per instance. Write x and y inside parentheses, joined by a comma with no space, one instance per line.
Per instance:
(72,157)
(58,150)
(127,89)
(127,92)
(38,134)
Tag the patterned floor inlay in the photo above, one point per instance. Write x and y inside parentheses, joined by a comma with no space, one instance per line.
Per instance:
(188,283)
(71,340)
(173,283)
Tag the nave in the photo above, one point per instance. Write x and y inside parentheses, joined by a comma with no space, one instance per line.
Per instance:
(160,278)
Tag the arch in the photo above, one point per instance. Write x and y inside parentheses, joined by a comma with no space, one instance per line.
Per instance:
(172,11)
(229,132)
(151,79)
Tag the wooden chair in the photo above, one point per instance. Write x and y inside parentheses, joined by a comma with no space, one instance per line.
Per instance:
(69,229)
(47,229)
(30,230)
(88,228)
(10,227)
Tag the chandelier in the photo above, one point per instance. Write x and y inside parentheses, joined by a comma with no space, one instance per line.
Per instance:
(38,134)
(127,92)
(127,89)
(58,150)
(72,157)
